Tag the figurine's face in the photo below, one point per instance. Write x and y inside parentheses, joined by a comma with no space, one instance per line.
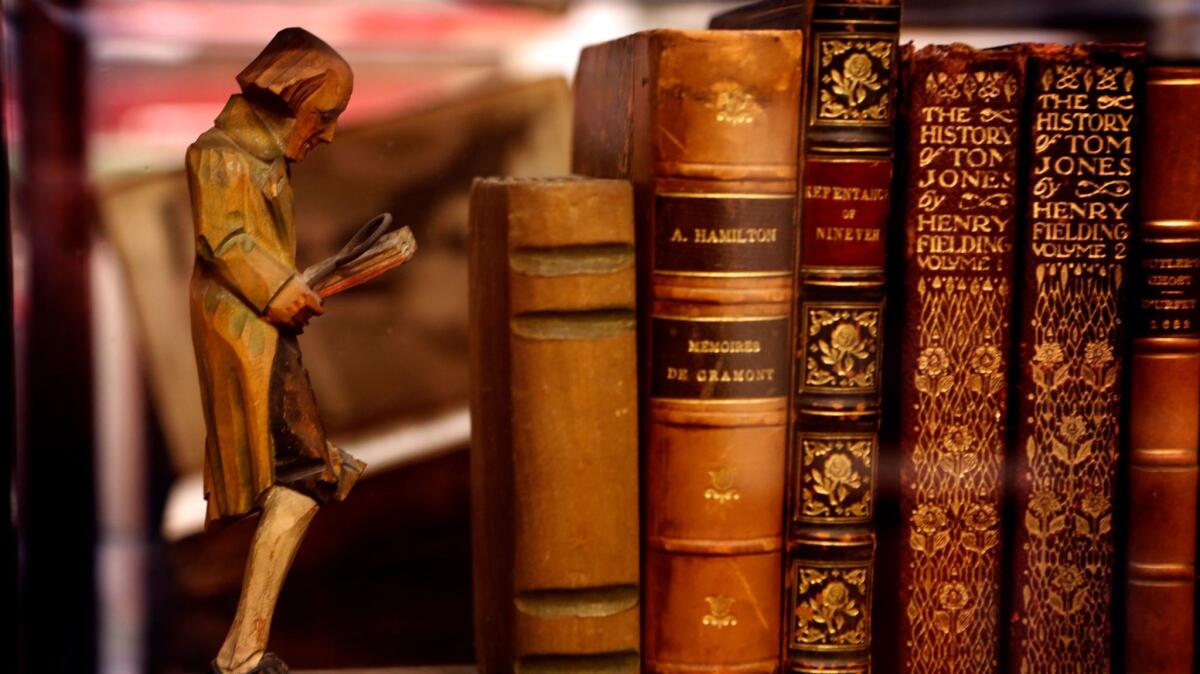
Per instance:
(316,117)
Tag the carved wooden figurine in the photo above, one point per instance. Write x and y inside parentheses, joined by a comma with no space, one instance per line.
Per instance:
(266,450)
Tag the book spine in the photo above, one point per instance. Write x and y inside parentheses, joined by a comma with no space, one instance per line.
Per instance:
(721,232)
(1164,363)
(1079,215)
(962,112)
(554,408)
(845,197)
(764,15)
(711,149)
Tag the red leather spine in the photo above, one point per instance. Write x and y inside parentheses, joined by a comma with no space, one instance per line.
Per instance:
(834,457)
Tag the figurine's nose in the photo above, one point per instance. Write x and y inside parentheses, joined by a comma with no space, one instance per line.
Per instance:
(327,135)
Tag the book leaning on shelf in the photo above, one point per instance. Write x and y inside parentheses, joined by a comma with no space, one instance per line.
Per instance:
(554,426)
(705,125)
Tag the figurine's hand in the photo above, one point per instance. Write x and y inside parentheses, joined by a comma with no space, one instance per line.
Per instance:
(294,304)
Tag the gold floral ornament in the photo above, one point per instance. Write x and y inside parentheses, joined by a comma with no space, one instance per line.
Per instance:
(941,85)
(981,517)
(722,490)
(983,86)
(845,348)
(1100,369)
(841,346)
(857,79)
(982,523)
(930,519)
(956,611)
(933,361)
(1095,520)
(1068,578)
(986,376)
(1072,428)
(720,612)
(1043,517)
(1049,370)
(929,532)
(734,105)
(932,371)
(835,477)
(961,456)
(1071,444)
(1048,354)
(829,607)
(1044,503)
(1064,597)
(986,359)
(853,80)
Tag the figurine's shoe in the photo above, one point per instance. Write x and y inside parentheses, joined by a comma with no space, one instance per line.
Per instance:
(270,664)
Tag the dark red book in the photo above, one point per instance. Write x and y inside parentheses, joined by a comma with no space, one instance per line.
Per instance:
(1078,224)
(963,128)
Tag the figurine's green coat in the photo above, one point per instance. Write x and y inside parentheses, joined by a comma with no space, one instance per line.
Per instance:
(254,389)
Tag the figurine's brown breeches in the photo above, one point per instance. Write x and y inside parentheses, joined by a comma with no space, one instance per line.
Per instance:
(304,461)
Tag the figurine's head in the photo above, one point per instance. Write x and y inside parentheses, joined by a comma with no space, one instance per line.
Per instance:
(302,79)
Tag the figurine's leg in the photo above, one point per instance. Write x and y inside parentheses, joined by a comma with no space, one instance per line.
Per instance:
(286,514)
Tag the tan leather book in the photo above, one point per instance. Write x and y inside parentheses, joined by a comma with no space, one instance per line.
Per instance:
(963,132)
(1077,228)
(1164,392)
(846,186)
(554,471)
(705,124)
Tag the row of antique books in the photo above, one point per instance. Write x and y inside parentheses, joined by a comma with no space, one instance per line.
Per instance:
(680,355)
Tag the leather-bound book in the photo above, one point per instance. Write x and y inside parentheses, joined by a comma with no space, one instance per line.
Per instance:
(846,180)
(705,124)
(963,130)
(554,470)
(764,14)
(1079,215)
(1164,364)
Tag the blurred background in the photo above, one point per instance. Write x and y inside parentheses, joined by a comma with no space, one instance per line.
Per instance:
(104,434)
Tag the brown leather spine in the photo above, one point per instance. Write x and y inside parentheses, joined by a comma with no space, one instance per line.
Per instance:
(1164,363)
(554,417)
(1077,230)
(963,112)
(705,124)
(764,15)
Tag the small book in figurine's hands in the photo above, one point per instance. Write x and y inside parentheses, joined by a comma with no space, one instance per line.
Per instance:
(375,248)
